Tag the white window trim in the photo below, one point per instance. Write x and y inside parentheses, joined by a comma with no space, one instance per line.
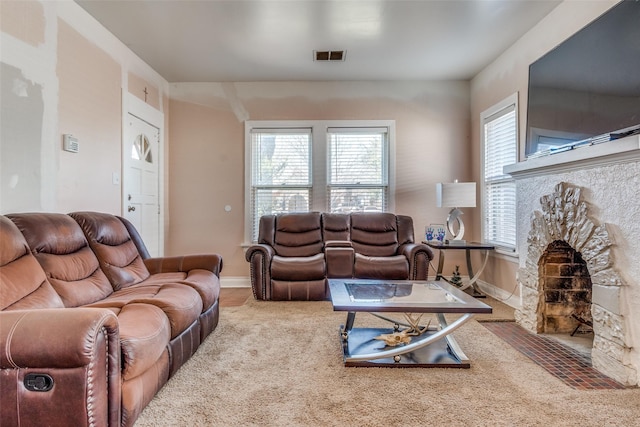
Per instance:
(319,141)
(505,103)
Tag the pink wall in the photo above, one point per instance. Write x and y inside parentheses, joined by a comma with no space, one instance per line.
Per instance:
(207,150)
(89,108)
(23,20)
(206,162)
(144,90)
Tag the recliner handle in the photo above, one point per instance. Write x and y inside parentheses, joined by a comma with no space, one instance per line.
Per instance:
(38,382)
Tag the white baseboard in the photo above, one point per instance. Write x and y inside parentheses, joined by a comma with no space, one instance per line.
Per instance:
(235,282)
(500,294)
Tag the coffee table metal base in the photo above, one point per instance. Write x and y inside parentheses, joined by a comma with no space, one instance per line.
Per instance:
(433,349)
(438,354)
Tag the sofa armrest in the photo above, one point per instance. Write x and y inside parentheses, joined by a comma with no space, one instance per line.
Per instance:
(186,263)
(76,351)
(340,256)
(419,256)
(260,249)
(259,257)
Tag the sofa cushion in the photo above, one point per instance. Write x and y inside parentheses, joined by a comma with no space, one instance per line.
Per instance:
(298,268)
(391,267)
(144,336)
(112,244)
(62,250)
(298,234)
(179,302)
(23,283)
(374,234)
(204,282)
(336,227)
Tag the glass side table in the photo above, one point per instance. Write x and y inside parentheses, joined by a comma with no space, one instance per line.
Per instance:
(467,247)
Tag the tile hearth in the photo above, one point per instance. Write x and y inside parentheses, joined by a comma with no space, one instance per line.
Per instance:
(569,365)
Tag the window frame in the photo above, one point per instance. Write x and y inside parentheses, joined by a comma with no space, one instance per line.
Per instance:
(505,106)
(320,166)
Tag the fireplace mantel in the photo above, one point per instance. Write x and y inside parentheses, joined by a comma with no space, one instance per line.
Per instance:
(613,152)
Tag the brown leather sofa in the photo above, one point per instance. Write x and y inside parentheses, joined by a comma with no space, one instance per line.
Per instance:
(297,252)
(91,327)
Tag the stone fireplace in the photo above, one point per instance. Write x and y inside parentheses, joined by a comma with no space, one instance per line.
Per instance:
(567,255)
(578,232)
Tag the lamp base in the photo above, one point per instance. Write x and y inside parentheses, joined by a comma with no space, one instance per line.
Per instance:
(454,216)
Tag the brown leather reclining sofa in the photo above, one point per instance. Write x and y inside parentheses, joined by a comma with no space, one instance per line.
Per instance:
(91,327)
(296,253)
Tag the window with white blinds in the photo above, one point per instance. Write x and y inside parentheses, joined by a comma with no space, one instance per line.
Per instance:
(358,169)
(327,166)
(280,172)
(500,147)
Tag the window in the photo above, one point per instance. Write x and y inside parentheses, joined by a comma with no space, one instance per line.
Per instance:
(335,166)
(280,171)
(358,177)
(500,148)
(141,149)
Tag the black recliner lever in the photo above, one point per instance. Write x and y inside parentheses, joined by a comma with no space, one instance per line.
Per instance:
(38,382)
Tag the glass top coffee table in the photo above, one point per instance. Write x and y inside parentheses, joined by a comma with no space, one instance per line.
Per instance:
(409,341)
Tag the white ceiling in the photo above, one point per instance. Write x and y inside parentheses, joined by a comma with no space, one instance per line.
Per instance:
(268,40)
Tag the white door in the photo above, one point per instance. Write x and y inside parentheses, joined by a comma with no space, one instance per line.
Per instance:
(141,204)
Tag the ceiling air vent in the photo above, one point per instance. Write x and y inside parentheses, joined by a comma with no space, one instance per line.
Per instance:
(329,55)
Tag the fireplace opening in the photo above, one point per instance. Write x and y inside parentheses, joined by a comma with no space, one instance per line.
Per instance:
(566,284)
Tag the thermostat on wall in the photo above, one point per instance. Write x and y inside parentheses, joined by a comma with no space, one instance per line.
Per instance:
(70,143)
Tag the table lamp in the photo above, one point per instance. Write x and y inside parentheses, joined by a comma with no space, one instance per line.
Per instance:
(456,195)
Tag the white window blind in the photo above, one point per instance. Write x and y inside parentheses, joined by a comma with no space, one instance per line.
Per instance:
(499,204)
(358,169)
(280,172)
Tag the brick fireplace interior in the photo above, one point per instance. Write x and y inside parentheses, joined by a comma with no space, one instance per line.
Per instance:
(566,285)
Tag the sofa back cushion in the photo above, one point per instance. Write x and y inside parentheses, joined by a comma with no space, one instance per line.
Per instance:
(374,234)
(118,256)
(336,227)
(293,234)
(59,245)
(23,283)
(405,229)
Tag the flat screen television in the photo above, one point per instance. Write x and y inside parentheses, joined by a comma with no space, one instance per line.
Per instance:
(587,89)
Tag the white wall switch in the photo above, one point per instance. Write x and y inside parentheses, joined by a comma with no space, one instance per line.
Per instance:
(115,178)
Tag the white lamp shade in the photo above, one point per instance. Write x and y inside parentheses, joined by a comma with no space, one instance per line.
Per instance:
(456,194)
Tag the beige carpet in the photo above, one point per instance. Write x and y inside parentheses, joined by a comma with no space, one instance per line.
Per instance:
(280,364)
(501,312)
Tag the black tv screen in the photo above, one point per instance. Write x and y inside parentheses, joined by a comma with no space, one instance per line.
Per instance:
(587,89)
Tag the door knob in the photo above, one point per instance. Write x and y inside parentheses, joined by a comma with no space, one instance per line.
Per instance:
(131,208)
